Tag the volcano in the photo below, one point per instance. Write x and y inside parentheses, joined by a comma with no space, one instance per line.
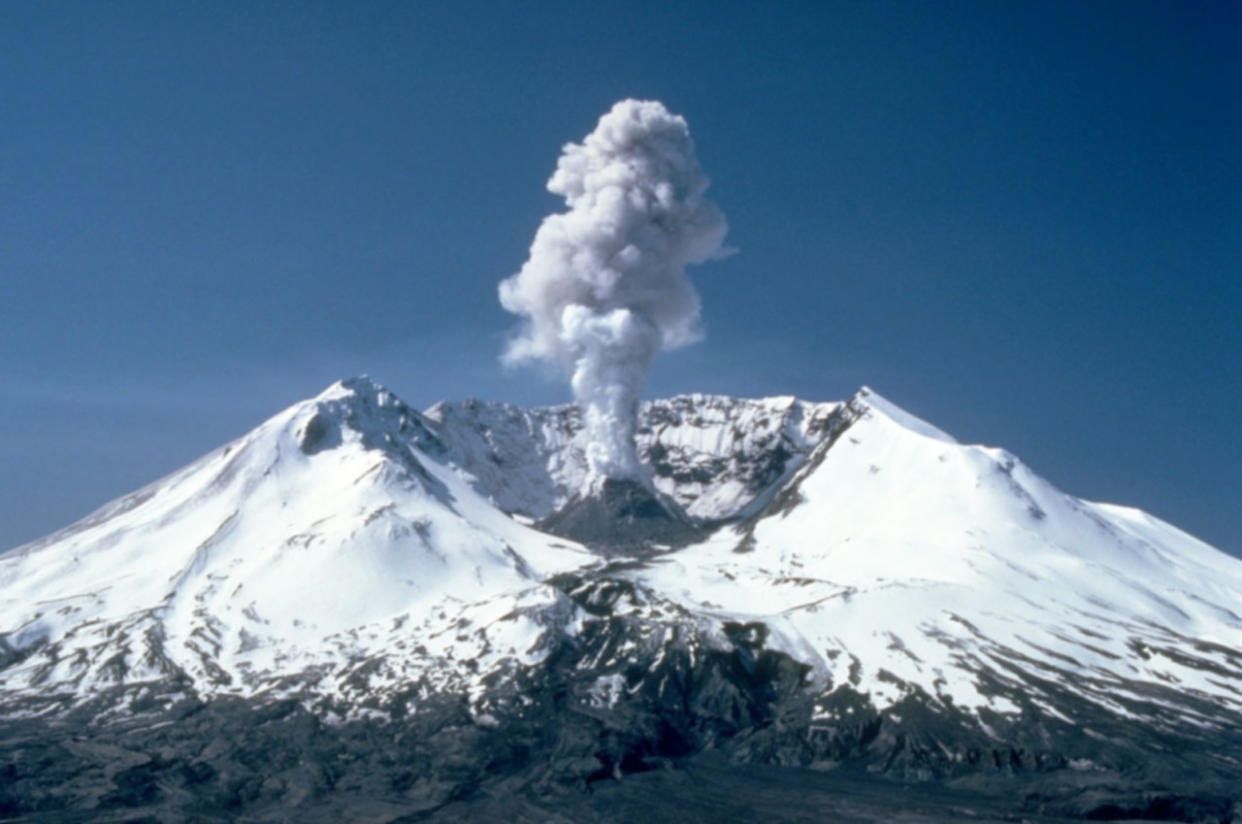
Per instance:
(360,611)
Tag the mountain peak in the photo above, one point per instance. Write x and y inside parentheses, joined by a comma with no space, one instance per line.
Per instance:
(359,405)
(361,388)
(874,401)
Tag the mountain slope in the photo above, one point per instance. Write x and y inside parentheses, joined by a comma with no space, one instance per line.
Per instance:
(268,558)
(926,560)
(852,588)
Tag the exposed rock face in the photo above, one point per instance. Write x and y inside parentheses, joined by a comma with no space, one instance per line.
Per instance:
(622,516)
(717,458)
(362,612)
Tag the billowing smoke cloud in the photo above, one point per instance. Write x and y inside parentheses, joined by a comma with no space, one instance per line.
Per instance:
(605,287)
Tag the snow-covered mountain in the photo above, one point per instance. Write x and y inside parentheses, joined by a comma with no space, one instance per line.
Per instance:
(856,585)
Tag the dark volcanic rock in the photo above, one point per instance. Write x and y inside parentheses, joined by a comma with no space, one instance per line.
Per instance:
(622,515)
(692,727)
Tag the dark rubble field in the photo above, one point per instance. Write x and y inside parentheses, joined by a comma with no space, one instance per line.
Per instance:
(229,762)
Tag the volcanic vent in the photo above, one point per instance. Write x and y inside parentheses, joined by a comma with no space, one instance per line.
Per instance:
(622,515)
(604,290)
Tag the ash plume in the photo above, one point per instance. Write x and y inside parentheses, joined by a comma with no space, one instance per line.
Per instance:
(605,287)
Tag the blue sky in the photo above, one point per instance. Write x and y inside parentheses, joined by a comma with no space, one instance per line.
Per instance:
(1021,221)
